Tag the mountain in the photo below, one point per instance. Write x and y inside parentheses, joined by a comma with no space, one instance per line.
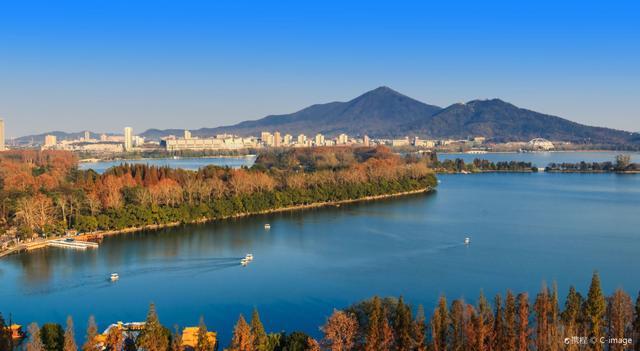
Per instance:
(502,121)
(385,113)
(374,113)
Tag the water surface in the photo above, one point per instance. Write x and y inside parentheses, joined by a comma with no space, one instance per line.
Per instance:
(525,229)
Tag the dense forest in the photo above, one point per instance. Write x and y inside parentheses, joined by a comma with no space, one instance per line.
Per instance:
(513,322)
(622,164)
(43,193)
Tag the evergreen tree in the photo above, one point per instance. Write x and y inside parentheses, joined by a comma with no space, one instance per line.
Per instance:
(114,340)
(440,325)
(91,344)
(542,308)
(52,336)
(510,316)
(595,308)
(70,337)
(570,317)
(260,340)
(35,339)
(485,323)
(419,330)
(373,336)
(402,327)
(203,344)
(154,336)
(523,331)
(242,339)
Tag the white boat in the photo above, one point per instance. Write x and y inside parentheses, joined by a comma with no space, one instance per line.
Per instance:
(267,226)
(244,262)
(114,277)
(467,241)
(248,257)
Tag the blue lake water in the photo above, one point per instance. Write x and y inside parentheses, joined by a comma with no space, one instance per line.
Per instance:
(525,229)
(542,159)
(190,163)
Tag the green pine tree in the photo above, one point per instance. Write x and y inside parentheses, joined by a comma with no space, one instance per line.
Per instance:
(154,336)
(595,308)
(260,339)
(204,344)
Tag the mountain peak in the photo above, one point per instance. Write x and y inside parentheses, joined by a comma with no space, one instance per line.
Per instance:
(382,91)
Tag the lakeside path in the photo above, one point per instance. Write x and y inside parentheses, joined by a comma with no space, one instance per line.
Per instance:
(99,234)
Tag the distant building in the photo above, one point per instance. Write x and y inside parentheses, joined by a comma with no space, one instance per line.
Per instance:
(103,137)
(266,138)
(87,135)
(288,138)
(187,134)
(2,146)
(343,139)
(277,139)
(541,144)
(226,143)
(400,142)
(50,140)
(366,141)
(319,140)
(302,139)
(128,138)
(479,140)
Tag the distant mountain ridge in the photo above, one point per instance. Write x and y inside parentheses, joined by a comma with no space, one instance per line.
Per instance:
(385,113)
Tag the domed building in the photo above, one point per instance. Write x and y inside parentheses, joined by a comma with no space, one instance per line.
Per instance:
(541,144)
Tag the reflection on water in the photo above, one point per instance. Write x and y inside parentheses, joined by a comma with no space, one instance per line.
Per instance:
(525,228)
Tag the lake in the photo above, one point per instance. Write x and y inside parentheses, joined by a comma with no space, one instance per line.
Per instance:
(525,229)
(191,163)
(540,159)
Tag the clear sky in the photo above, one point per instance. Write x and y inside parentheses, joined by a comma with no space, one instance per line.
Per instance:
(104,64)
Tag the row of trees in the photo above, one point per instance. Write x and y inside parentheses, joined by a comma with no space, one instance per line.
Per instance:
(593,322)
(622,164)
(44,192)
(481,165)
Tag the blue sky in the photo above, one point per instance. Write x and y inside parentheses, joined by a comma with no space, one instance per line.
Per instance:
(101,65)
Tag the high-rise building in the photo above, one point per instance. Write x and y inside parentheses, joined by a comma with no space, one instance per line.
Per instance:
(267,138)
(50,140)
(287,139)
(128,138)
(302,139)
(87,135)
(2,147)
(319,139)
(277,139)
(366,140)
(187,134)
(343,139)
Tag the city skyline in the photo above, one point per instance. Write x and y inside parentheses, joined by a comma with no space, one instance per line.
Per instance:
(116,64)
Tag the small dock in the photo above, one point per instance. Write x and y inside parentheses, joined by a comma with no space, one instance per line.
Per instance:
(73,244)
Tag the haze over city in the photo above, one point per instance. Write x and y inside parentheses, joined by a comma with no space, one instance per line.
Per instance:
(72,66)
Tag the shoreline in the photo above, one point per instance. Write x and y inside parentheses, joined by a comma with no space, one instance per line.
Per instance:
(100,234)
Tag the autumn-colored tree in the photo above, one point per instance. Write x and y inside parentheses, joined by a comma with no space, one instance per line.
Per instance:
(114,341)
(340,331)
(91,342)
(542,309)
(484,324)
(457,321)
(260,339)
(69,336)
(523,330)
(35,341)
(510,318)
(636,325)
(242,339)
(619,318)
(440,326)
(312,345)
(374,334)
(499,326)
(594,310)
(419,330)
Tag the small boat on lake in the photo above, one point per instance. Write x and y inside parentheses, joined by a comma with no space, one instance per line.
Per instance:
(244,262)
(248,257)
(114,277)
(267,226)
(467,241)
